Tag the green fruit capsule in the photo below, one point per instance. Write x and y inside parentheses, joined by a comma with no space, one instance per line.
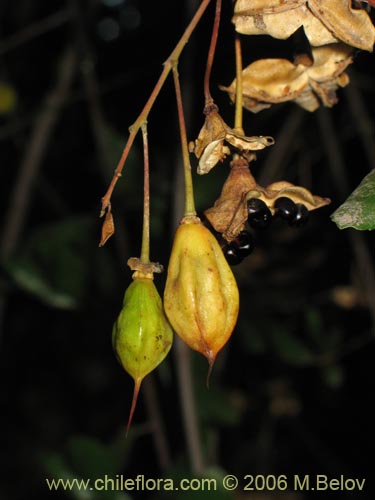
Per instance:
(142,335)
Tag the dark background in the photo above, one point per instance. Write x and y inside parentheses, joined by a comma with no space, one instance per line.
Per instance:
(292,393)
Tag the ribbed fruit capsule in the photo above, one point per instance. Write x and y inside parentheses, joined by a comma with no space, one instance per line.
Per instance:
(201,297)
(142,335)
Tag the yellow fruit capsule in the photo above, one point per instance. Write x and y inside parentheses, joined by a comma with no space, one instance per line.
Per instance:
(201,298)
(142,335)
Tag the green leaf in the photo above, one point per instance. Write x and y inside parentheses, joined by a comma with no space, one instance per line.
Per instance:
(58,471)
(291,349)
(29,279)
(358,211)
(333,376)
(53,264)
(87,470)
(91,458)
(8,98)
(314,327)
(252,335)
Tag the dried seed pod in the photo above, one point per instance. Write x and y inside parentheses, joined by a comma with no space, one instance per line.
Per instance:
(201,297)
(269,81)
(324,21)
(215,137)
(142,335)
(280,19)
(229,214)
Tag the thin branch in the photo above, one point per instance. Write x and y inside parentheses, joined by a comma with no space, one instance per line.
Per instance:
(189,411)
(92,94)
(34,153)
(134,128)
(39,28)
(32,160)
(90,85)
(239,98)
(211,54)
(361,117)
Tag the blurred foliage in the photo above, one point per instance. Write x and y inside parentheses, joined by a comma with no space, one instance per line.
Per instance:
(8,98)
(53,265)
(291,392)
(86,458)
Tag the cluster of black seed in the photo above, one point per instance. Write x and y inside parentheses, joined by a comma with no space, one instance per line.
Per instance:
(260,217)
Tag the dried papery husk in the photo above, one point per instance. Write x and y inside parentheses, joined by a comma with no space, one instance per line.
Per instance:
(253,7)
(212,144)
(279,189)
(326,75)
(229,214)
(329,61)
(108,227)
(321,93)
(270,81)
(280,22)
(352,26)
(324,21)
(201,298)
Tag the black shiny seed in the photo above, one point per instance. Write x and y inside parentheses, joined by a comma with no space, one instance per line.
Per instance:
(232,256)
(285,208)
(301,217)
(243,244)
(259,215)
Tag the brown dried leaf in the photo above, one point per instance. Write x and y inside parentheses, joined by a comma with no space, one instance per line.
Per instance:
(108,227)
(210,145)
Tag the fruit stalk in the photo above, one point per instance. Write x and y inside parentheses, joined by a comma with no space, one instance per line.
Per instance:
(189,190)
(238,112)
(145,251)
